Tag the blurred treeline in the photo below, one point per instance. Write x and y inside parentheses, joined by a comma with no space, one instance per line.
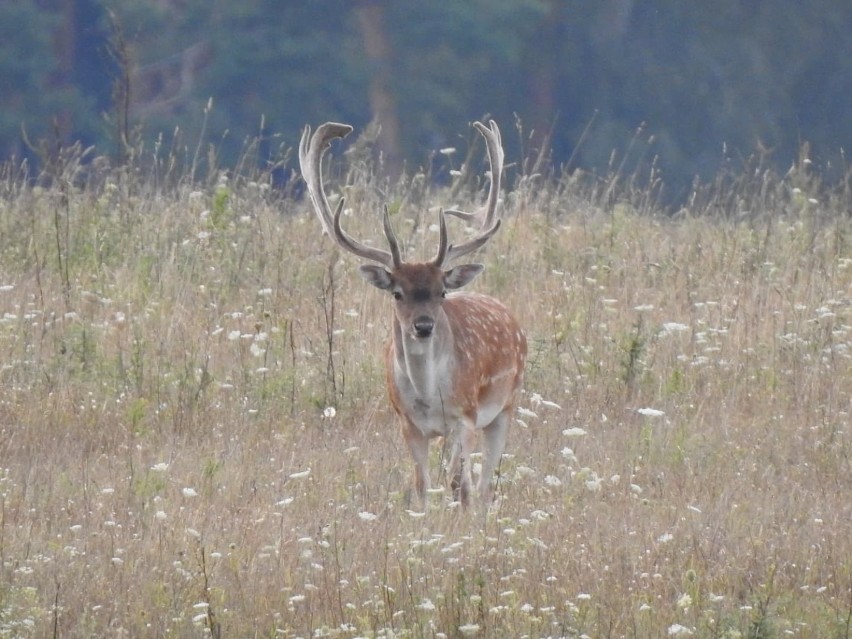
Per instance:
(682,88)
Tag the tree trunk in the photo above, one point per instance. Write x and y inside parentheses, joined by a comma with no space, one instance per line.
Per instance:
(377,47)
(544,76)
(65,52)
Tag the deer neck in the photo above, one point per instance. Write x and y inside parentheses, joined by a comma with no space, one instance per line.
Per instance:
(424,362)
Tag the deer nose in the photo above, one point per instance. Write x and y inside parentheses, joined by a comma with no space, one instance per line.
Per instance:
(423,326)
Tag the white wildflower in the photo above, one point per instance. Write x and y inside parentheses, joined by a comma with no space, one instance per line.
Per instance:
(329,412)
(537,400)
(367,516)
(650,412)
(574,432)
(594,484)
(673,327)
(189,492)
(426,604)
(676,630)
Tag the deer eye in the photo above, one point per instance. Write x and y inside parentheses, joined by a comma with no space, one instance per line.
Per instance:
(397,295)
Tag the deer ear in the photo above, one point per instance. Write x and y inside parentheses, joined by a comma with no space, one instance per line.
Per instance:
(376,275)
(461,275)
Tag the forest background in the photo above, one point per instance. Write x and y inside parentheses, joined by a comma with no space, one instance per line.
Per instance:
(675,89)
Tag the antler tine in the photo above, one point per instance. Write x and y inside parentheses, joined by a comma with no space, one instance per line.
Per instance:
(390,259)
(487,215)
(311,150)
(391,237)
(443,242)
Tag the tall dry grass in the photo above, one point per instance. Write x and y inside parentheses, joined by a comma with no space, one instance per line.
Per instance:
(195,440)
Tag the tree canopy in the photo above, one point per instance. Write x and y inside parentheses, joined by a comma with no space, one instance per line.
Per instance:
(683,86)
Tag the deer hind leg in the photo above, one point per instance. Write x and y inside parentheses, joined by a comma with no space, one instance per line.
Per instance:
(462,445)
(493,445)
(418,445)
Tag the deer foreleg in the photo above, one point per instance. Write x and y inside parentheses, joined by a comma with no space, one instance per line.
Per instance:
(418,445)
(462,445)
(493,445)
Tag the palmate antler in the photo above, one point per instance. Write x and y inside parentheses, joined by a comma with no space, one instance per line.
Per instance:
(313,146)
(487,215)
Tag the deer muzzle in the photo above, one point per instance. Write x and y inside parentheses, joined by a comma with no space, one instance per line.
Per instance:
(423,326)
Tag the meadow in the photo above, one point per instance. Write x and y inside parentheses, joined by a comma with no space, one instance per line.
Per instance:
(195,439)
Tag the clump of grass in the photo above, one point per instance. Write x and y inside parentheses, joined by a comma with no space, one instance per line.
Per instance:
(195,440)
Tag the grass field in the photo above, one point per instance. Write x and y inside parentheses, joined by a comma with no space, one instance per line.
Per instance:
(195,438)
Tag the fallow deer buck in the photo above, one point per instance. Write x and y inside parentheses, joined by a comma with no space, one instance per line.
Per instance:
(455,361)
